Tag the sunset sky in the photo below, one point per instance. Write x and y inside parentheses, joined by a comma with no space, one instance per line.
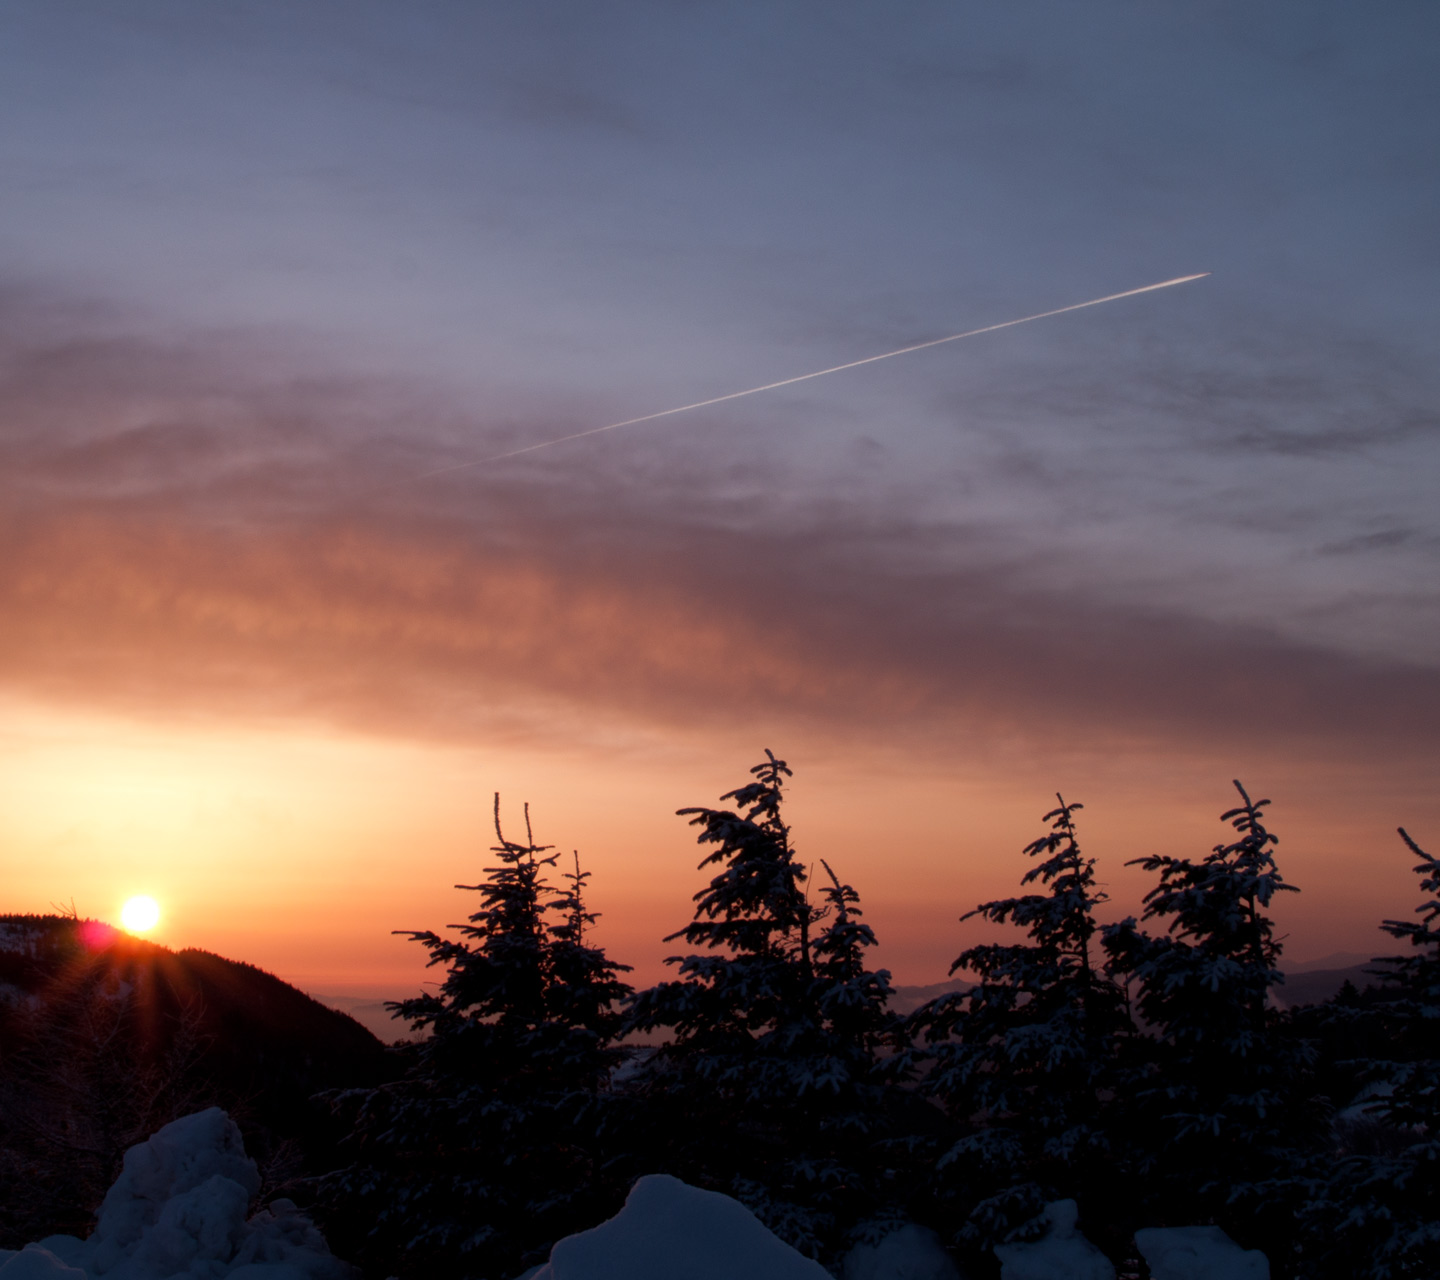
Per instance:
(262,264)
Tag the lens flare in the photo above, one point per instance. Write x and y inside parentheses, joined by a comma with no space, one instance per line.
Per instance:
(140,915)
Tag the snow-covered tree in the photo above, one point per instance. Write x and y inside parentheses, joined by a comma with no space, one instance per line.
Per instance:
(852,1000)
(485,1151)
(740,1003)
(1375,1211)
(1023,1057)
(584,993)
(1413,1099)
(770,1085)
(1222,1103)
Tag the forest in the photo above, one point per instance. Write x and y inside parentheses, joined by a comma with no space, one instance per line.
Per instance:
(1142,1068)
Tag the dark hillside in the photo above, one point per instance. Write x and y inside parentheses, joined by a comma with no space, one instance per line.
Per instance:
(104,1037)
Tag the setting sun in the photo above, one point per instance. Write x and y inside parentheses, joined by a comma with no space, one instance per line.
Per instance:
(139,915)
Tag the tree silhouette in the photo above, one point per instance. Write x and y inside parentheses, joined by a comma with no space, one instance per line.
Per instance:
(1223,1100)
(487,1150)
(1025,1055)
(1374,1211)
(769,1085)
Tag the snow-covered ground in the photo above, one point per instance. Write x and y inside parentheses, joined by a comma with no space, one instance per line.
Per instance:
(178,1211)
(1198,1253)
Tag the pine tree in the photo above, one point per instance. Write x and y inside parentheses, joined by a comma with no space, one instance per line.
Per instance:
(1375,1211)
(584,993)
(1023,1057)
(852,1001)
(487,1150)
(769,1087)
(1224,1098)
(1414,980)
(846,1129)
(742,1002)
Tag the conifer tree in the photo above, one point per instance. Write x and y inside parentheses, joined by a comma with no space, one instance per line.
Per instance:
(1222,1100)
(1023,1056)
(852,1001)
(584,992)
(1375,1211)
(486,1150)
(769,1086)
(852,1147)
(739,1005)
(1414,1010)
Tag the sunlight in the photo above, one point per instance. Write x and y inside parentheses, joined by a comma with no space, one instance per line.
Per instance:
(140,914)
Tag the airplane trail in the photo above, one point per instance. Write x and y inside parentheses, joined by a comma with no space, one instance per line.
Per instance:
(803,377)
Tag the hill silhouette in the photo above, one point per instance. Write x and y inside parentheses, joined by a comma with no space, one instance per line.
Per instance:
(105,1036)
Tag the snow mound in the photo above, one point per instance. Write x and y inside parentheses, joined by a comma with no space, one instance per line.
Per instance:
(1062,1254)
(669,1229)
(36,1263)
(910,1253)
(1198,1253)
(177,1212)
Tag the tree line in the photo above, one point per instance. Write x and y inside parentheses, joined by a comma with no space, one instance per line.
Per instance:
(1141,1068)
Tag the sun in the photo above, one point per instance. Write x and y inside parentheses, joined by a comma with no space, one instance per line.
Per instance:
(140,915)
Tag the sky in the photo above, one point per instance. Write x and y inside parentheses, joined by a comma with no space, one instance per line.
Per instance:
(265,266)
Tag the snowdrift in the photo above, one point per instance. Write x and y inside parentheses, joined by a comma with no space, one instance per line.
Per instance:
(1198,1253)
(1171,1253)
(910,1253)
(1061,1254)
(178,1212)
(668,1229)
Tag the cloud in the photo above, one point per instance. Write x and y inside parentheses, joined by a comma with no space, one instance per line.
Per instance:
(195,531)
(440,632)
(1381,540)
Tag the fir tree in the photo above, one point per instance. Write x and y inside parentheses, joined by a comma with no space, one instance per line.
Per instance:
(1414,1010)
(1023,1056)
(743,1001)
(584,992)
(852,1001)
(1223,1100)
(486,1151)
(1375,1212)
(769,1086)
(847,1115)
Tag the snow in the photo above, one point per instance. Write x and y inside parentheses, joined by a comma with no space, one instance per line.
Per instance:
(178,1212)
(1198,1253)
(1062,1254)
(669,1229)
(910,1253)
(35,1263)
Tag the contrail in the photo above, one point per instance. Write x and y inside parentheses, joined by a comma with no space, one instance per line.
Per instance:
(804,377)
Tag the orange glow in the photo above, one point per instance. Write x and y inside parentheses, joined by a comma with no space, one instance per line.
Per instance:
(301,849)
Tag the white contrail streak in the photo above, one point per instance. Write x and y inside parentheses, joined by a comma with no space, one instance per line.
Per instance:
(804,377)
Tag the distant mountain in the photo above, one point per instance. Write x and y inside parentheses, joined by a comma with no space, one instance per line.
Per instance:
(1335,960)
(105,1037)
(1314,986)
(1310,983)
(370,1012)
(906,1000)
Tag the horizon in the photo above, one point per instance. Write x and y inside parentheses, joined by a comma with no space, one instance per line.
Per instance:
(279,287)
